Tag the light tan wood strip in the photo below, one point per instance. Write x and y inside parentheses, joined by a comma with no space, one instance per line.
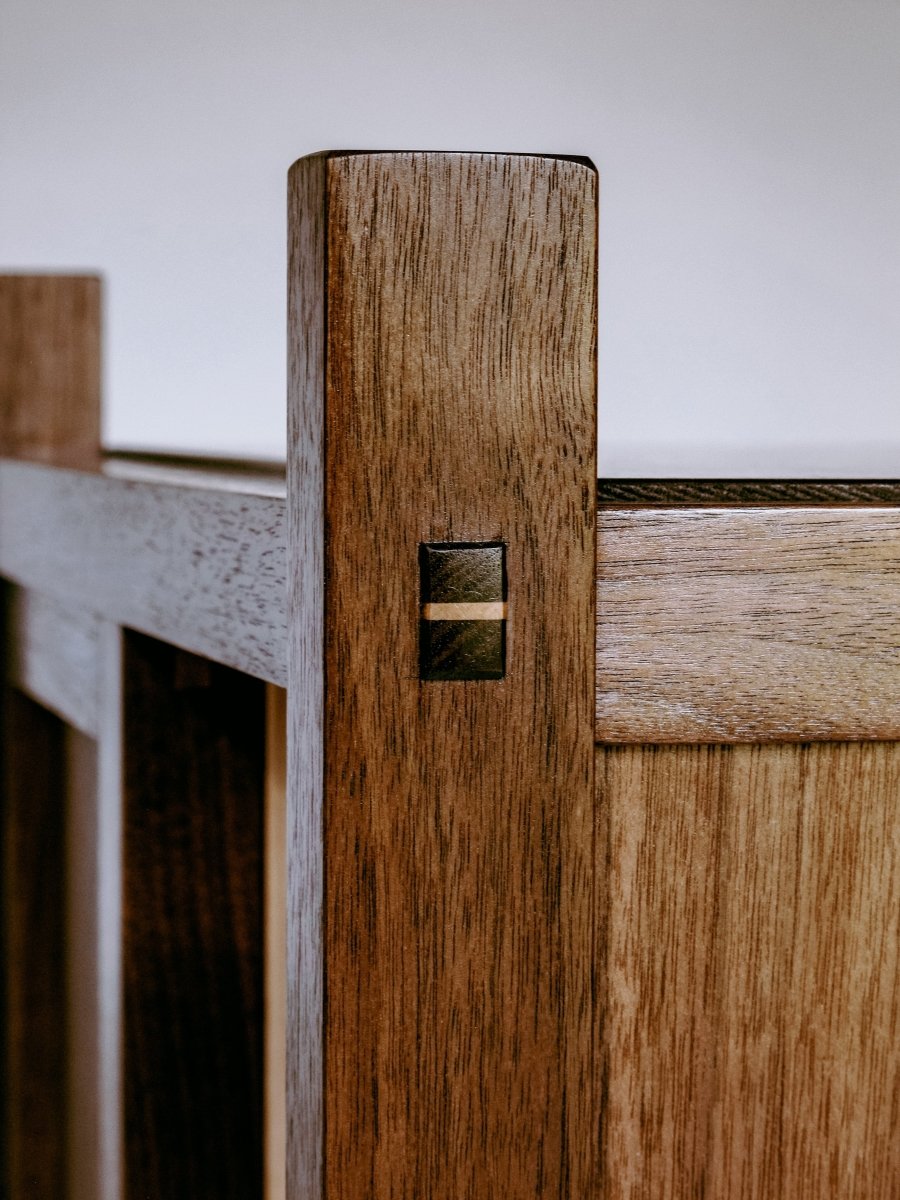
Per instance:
(751,1037)
(748,625)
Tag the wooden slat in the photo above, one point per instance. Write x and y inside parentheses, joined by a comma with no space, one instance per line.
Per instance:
(33,889)
(50,367)
(454,364)
(193,744)
(88,1113)
(750,963)
(202,567)
(53,656)
(748,625)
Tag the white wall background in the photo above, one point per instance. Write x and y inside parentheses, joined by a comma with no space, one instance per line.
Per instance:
(749,153)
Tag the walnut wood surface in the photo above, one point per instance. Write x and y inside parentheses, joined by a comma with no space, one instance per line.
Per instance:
(50,366)
(459,404)
(201,566)
(33,1157)
(193,744)
(53,656)
(776,624)
(751,965)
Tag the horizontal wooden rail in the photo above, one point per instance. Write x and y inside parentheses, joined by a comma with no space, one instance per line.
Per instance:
(713,624)
(743,625)
(201,565)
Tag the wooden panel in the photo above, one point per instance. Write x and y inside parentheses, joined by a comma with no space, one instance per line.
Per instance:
(53,656)
(202,567)
(33,1078)
(50,366)
(459,405)
(192,958)
(748,625)
(751,957)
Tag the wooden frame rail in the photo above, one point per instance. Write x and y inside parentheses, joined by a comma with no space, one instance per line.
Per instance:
(283,917)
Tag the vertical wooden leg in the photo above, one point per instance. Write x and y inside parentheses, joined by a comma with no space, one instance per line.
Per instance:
(274,872)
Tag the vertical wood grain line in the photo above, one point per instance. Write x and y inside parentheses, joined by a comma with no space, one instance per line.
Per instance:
(459,401)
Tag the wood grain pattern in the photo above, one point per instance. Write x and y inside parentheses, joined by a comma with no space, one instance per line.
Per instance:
(53,656)
(747,493)
(50,367)
(752,972)
(748,625)
(33,1079)
(202,567)
(192,931)
(459,405)
(307,199)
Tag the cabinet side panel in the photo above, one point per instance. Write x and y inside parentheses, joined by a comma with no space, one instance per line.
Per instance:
(751,946)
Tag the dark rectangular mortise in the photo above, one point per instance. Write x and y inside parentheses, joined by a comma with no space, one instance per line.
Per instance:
(194,735)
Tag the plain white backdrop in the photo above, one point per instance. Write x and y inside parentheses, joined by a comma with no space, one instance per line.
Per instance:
(749,156)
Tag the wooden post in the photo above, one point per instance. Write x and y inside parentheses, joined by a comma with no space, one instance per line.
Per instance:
(60,1117)
(50,367)
(440,870)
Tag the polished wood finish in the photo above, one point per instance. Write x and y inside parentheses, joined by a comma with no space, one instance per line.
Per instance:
(50,367)
(750,957)
(458,299)
(200,565)
(193,742)
(737,625)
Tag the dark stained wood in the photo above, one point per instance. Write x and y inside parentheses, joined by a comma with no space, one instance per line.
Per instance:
(757,624)
(33,883)
(455,366)
(200,565)
(50,367)
(747,493)
(750,951)
(192,956)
